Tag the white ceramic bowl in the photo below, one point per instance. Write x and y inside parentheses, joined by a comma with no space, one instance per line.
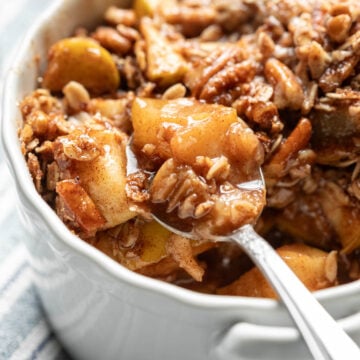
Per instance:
(99,309)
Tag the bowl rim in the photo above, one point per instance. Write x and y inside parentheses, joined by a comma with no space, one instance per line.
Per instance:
(25,188)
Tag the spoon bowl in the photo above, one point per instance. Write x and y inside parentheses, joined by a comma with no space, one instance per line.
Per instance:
(323,336)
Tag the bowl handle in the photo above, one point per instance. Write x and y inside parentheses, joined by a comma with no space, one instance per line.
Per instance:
(244,341)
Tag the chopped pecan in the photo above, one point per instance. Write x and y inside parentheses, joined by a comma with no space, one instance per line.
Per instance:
(298,140)
(227,78)
(288,92)
(115,16)
(112,40)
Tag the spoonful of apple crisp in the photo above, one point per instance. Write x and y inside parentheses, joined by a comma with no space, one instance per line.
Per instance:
(196,168)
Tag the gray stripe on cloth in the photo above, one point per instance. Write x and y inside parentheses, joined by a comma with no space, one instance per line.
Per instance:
(41,346)
(13,277)
(25,311)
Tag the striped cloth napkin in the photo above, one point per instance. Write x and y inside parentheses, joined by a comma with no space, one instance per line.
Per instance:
(24,331)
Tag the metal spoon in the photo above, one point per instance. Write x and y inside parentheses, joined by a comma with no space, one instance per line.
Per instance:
(323,336)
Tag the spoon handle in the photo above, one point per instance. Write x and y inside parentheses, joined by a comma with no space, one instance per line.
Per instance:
(324,337)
